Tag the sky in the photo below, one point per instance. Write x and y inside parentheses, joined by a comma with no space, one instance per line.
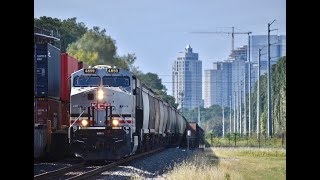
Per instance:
(156,30)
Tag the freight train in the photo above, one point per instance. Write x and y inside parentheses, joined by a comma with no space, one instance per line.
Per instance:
(114,115)
(99,113)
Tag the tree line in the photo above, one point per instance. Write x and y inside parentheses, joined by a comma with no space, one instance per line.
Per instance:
(94,46)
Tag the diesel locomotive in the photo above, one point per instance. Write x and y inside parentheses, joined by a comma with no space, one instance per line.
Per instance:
(114,115)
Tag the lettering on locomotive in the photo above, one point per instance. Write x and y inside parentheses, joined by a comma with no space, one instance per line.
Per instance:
(113,70)
(90,71)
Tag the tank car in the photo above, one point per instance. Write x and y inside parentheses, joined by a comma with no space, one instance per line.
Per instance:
(113,115)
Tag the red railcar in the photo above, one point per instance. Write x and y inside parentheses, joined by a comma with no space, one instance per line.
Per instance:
(69,65)
(65,119)
(54,110)
(48,109)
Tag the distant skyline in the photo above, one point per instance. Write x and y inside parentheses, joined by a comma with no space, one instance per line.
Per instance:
(156,31)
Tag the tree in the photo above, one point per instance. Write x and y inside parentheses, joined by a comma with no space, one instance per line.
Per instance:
(95,47)
(153,81)
(278,91)
(211,118)
(278,94)
(69,29)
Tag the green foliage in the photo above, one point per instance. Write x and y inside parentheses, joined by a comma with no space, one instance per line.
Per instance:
(210,118)
(278,94)
(227,176)
(94,47)
(263,123)
(127,61)
(262,153)
(70,30)
(91,46)
(168,98)
(153,81)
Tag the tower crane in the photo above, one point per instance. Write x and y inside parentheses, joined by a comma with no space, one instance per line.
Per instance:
(223,32)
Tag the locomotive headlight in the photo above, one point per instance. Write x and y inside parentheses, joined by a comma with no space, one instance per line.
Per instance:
(84,122)
(100,94)
(115,122)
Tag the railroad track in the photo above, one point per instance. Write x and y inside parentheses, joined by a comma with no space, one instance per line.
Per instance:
(81,171)
(58,172)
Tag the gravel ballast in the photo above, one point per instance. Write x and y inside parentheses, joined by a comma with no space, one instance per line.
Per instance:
(151,167)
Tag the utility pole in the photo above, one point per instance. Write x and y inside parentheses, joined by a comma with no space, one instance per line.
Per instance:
(199,114)
(238,112)
(222,118)
(269,85)
(181,100)
(258,95)
(232,34)
(230,114)
(245,105)
(234,112)
(249,86)
(240,107)
(258,91)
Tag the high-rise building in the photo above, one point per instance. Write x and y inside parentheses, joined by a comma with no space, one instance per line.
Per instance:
(277,49)
(224,78)
(211,87)
(238,57)
(227,78)
(283,47)
(239,53)
(218,83)
(254,75)
(238,69)
(187,79)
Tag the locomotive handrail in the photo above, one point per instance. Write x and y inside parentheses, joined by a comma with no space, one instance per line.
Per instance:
(69,129)
(124,119)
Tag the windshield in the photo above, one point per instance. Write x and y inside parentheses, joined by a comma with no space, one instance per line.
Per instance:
(117,81)
(85,81)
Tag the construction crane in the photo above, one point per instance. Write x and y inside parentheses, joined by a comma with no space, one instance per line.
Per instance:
(222,32)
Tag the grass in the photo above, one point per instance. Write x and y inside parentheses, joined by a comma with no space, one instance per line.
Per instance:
(233,163)
(245,142)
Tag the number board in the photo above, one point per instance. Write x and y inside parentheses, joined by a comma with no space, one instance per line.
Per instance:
(113,70)
(90,71)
